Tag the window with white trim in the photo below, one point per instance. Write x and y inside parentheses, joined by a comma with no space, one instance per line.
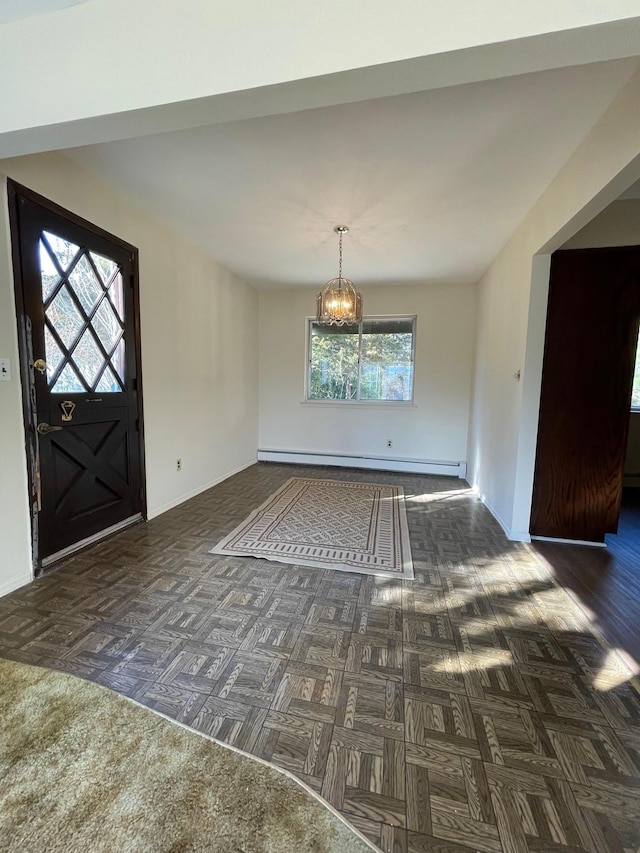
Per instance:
(369,362)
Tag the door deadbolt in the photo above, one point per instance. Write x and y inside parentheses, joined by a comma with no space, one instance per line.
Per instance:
(45,429)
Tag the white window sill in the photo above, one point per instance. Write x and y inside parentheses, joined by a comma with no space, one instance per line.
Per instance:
(366,404)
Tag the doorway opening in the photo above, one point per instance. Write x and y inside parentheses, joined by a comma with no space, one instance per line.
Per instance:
(600,459)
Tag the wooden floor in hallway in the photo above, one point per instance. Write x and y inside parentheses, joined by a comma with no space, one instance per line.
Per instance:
(606,581)
(471,709)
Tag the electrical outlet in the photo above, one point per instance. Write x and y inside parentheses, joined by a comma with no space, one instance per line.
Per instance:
(5,370)
(178,464)
(389,443)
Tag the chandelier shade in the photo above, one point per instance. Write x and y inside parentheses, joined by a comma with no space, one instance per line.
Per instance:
(339,303)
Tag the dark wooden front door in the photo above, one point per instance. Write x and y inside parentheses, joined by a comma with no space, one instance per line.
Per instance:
(77,311)
(592,329)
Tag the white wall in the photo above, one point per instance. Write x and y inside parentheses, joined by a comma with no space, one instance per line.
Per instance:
(199,356)
(434,429)
(15,531)
(512,308)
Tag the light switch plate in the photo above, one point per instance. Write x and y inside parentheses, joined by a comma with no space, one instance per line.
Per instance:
(5,370)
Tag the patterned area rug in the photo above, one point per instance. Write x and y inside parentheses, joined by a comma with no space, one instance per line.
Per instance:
(328,524)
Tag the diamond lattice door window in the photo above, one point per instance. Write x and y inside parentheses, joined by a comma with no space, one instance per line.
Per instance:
(83,301)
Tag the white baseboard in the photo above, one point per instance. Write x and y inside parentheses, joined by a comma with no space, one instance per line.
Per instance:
(512,535)
(15,583)
(525,536)
(153,513)
(375,463)
(519,535)
(570,541)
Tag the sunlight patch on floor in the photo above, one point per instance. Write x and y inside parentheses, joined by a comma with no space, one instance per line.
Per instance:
(555,604)
(475,661)
(386,591)
(434,497)
(612,673)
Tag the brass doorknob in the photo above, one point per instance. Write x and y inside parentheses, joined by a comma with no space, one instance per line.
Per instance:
(40,364)
(45,429)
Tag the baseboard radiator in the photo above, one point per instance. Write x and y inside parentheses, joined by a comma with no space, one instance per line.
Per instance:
(375,463)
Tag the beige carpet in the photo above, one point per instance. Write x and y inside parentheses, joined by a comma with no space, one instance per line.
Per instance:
(328,524)
(83,769)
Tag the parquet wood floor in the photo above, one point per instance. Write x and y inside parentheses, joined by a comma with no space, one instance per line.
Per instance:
(470,709)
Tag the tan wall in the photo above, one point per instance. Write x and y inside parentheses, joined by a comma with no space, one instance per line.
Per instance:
(199,356)
(434,428)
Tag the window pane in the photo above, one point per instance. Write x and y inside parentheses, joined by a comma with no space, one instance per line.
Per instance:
(85,284)
(48,272)
(106,325)
(105,266)
(88,358)
(63,250)
(635,395)
(108,382)
(68,382)
(65,318)
(334,362)
(52,352)
(387,360)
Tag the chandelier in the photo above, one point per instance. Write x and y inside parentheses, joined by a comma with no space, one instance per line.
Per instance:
(339,303)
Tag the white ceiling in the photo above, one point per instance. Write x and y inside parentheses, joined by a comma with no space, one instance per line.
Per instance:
(431,184)
(13,10)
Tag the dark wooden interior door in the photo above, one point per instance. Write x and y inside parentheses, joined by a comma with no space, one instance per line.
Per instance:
(79,324)
(590,345)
